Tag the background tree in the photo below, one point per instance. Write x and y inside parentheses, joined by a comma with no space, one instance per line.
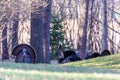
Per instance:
(46,31)
(36,39)
(15,22)
(40,27)
(74,25)
(15,33)
(84,37)
(104,29)
(5,54)
(57,35)
(74,13)
(4,26)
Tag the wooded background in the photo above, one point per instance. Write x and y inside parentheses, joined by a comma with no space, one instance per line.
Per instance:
(88,24)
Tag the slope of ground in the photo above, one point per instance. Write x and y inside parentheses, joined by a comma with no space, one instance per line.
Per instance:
(104,68)
(112,62)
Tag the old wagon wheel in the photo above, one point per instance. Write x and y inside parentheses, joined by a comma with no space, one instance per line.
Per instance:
(20,49)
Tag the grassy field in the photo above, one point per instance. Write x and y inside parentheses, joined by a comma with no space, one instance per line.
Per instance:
(103,68)
(112,62)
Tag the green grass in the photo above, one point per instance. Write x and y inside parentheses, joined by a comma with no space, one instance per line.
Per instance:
(112,62)
(103,68)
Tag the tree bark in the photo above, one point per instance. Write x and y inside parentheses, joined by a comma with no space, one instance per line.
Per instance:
(104,28)
(46,31)
(36,39)
(90,42)
(84,36)
(15,33)
(5,54)
(40,30)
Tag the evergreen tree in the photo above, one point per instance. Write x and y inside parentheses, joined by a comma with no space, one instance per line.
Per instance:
(57,35)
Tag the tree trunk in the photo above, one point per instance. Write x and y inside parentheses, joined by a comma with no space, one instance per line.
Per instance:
(113,33)
(104,28)
(15,33)
(90,42)
(84,36)
(40,30)
(5,54)
(46,31)
(37,31)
